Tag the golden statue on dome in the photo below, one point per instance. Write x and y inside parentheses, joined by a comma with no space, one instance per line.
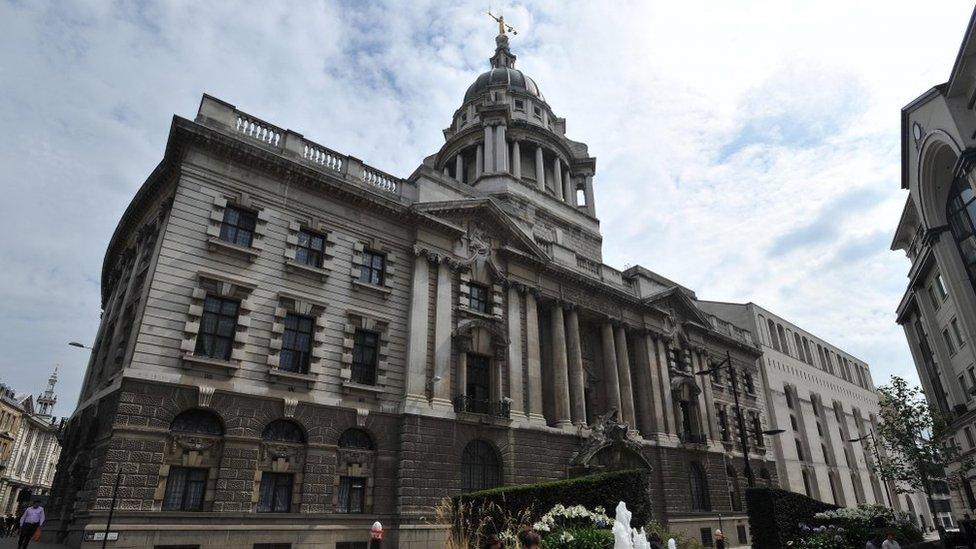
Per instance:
(502,26)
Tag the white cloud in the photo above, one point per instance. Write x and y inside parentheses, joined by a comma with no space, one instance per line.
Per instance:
(661,92)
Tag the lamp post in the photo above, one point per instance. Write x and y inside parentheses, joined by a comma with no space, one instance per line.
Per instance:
(743,438)
(111,509)
(79,345)
(877,459)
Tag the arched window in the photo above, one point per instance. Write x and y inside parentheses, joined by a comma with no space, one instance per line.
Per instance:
(283,430)
(196,421)
(356,439)
(480,467)
(700,500)
(773,339)
(961,214)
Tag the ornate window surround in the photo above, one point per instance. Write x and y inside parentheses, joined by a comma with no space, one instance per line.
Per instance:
(291,248)
(363,320)
(214,243)
(190,450)
(389,265)
(224,286)
(281,457)
(305,306)
(355,462)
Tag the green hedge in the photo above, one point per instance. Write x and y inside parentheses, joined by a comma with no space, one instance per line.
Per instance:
(775,515)
(601,490)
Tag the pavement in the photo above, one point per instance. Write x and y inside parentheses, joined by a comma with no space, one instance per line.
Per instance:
(11,543)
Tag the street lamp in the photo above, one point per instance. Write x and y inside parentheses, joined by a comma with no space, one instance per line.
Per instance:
(743,438)
(877,458)
(79,345)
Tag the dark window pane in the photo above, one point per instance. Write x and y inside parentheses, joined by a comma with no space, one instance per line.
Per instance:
(311,248)
(217,327)
(283,430)
(296,344)
(356,438)
(275,493)
(480,467)
(238,226)
(199,422)
(185,488)
(478,300)
(373,267)
(364,357)
(352,494)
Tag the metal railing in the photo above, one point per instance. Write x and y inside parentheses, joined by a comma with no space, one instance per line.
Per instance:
(494,408)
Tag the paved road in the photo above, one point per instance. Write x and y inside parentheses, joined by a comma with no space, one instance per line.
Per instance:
(11,543)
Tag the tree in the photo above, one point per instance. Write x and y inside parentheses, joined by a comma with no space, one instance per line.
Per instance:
(917,440)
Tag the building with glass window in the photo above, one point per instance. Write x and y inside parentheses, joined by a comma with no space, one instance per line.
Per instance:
(295,344)
(29,446)
(824,400)
(936,232)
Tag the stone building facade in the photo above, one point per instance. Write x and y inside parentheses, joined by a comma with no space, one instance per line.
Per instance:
(936,232)
(823,398)
(29,466)
(295,344)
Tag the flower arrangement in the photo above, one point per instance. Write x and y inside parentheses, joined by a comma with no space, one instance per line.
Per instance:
(575,527)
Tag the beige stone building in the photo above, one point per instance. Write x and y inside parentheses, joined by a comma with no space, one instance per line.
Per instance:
(823,398)
(936,231)
(28,470)
(10,418)
(295,344)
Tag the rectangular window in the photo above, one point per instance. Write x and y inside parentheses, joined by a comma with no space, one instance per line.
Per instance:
(948,341)
(217,327)
(478,384)
(799,450)
(478,298)
(936,302)
(941,287)
(185,487)
(537,111)
(373,267)
(740,531)
(238,226)
(969,437)
(758,431)
(965,389)
(789,398)
(956,332)
(352,494)
(519,105)
(311,248)
(723,423)
(296,344)
(275,494)
(364,357)
(750,383)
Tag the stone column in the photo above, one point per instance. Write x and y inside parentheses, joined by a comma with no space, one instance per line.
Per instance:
(501,150)
(442,337)
(588,192)
(533,358)
(459,167)
(516,160)
(447,171)
(643,386)
(664,373)
(515,350)
(462,373)
(417,342)
(656,406)
(560,366)
(610,368)
(569,193)
(540,169)
(479,162)
(557,178)
(709,397)
(577,397)
(623,373)
(489,150)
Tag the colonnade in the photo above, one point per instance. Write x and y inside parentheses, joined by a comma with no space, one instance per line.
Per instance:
(640,389)
(499,154)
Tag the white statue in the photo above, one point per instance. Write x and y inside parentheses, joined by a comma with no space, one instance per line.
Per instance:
(625,537)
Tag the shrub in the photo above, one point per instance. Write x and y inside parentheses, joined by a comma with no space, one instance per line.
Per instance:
(583,537)
(486,511)
(858,523)
(775,515)
(683,541)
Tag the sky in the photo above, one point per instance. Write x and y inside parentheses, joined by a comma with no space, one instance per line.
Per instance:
(746,149)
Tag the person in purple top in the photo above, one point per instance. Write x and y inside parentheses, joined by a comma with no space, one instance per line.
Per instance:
(30,521)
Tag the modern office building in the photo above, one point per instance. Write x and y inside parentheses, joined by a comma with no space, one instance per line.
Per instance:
(937,231)
(295,344)
(824,399)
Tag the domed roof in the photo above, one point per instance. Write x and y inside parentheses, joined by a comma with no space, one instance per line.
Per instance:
(512,79)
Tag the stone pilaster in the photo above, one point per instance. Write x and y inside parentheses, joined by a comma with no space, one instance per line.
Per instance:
(533,359)
(643,386)
(516,160)
(515,350)
(623,374)
(557,178)
(560,366)
(588,192)
(664,374)
(479,162)
(489,150)
(459,167)
(577,398)
(501,150)
(540,169)
(417,343)
(569,193)
(443,325)
(611,380)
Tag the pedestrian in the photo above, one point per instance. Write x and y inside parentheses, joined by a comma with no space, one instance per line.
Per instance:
(30,521)
(874,542)
(8,525)
(719,540)
(529,539)
(890,542)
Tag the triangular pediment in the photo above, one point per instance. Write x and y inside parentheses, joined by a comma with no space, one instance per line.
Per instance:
(681,306)
(489,215)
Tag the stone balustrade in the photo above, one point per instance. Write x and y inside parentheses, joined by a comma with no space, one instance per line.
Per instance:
(214,112)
